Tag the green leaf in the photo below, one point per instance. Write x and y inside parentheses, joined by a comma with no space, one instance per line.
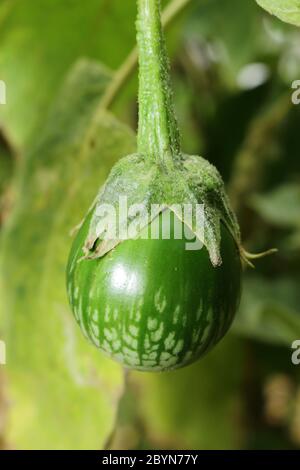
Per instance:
(63,392)
(286,10)
(196,407)
(270,310)
(39,43)
(281,206)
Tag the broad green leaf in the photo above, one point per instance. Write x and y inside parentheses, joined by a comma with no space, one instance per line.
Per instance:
(63,392)
(286,10)
(197,407)
(40,40)
(281,206)
(270,310)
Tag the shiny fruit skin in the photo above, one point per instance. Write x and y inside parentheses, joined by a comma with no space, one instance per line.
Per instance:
(151,304)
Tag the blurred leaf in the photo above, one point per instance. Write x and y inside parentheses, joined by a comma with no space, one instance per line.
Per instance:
(197,407)
(41,40)
(219,26)
(270,310)
(191,138)
(294,241)
(63,392)
(286,10)
(3,410)
(281,206)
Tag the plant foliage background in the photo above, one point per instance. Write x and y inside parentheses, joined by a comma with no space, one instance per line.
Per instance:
(232,65)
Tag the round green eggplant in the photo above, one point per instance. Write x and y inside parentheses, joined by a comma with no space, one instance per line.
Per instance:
(151,304)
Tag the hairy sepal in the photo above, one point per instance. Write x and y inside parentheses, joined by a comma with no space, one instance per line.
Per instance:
(149,189)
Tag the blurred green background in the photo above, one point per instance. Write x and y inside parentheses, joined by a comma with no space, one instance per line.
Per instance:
(232,68)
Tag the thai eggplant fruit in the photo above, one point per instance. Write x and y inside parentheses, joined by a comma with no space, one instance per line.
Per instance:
(155,303)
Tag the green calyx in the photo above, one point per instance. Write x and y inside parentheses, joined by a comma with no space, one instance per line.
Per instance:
(160,175)
(195,182)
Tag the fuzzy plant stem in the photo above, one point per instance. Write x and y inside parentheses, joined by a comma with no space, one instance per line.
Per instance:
(158,135)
